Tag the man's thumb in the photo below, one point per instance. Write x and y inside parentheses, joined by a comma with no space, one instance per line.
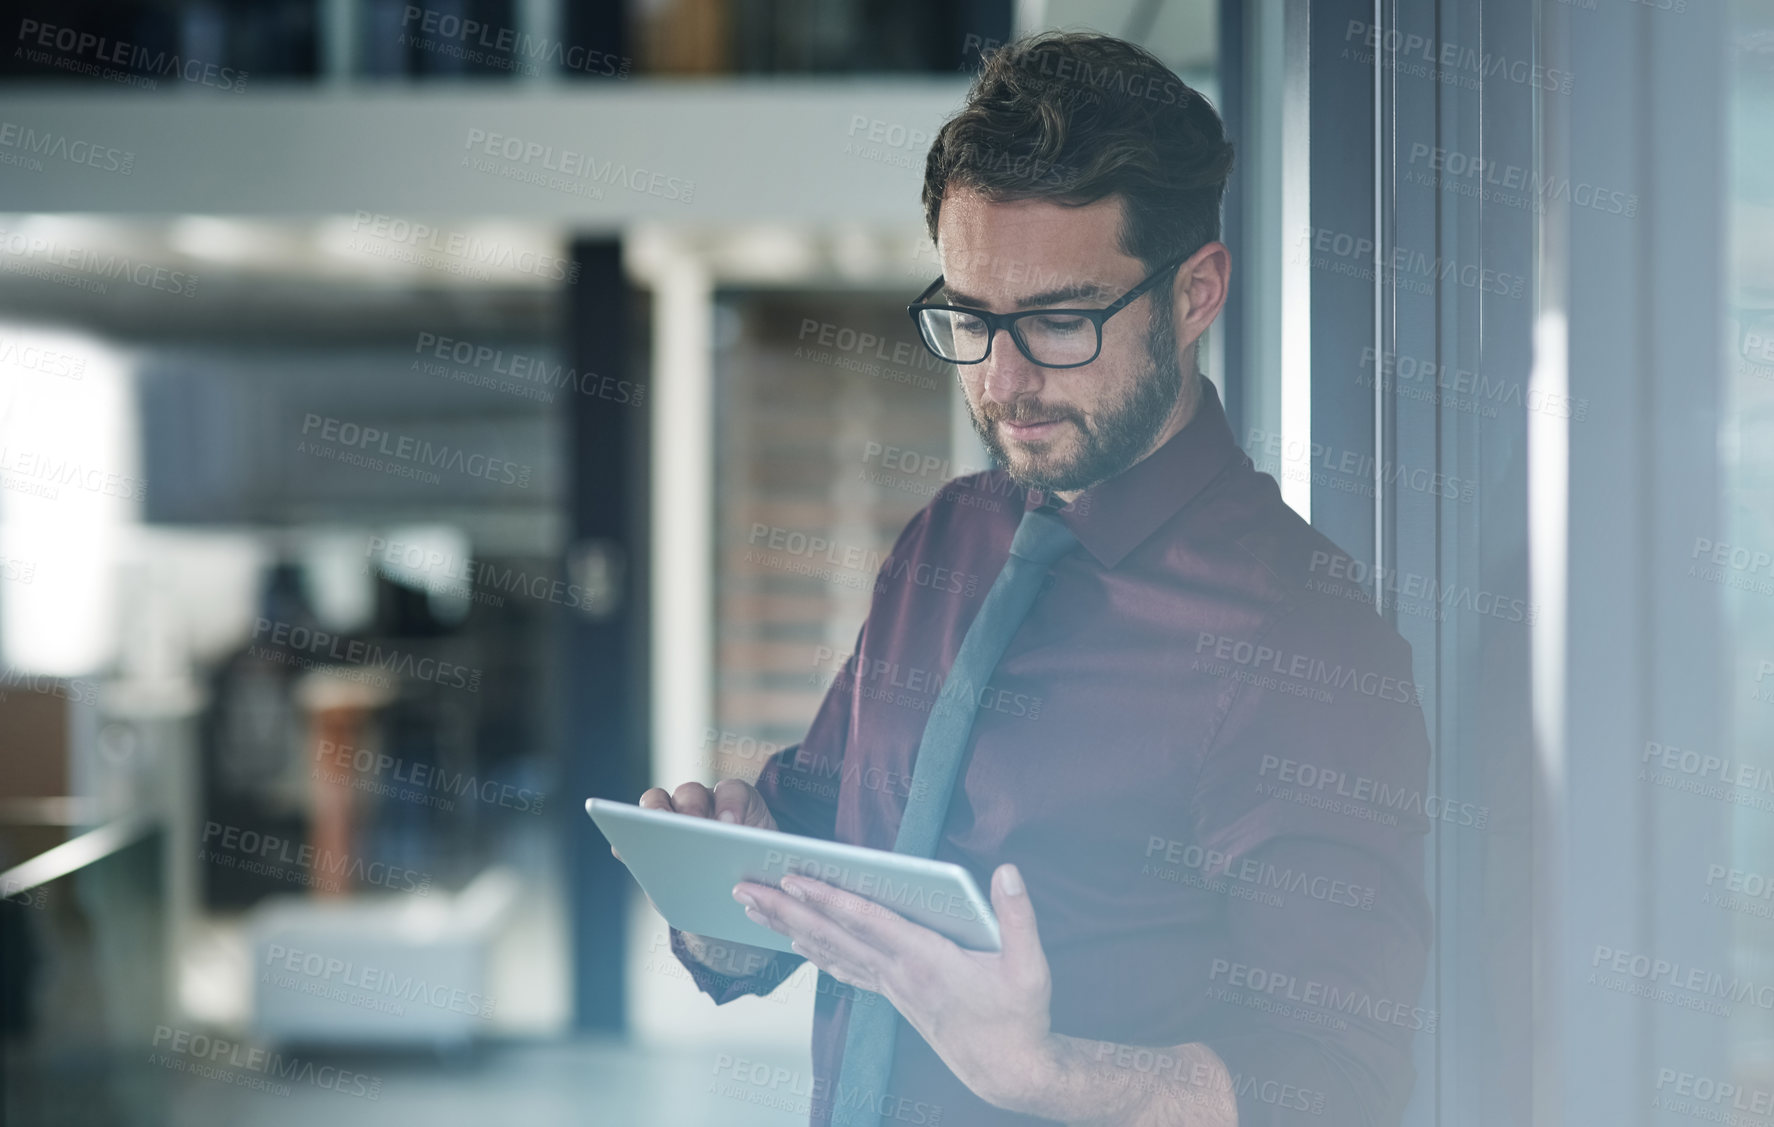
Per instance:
(1018,937)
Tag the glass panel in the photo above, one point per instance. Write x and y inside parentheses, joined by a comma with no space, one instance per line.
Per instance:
(833,432)
(1742,564)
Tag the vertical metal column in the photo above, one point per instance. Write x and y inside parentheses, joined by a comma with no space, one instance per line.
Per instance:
(1342,246)
(603,669)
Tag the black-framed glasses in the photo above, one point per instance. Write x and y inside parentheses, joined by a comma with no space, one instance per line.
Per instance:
(1052,338)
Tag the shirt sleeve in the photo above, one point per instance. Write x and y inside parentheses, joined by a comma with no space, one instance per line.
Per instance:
(1314,790)
(800,786)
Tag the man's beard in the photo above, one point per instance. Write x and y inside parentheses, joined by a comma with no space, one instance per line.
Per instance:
(1123,433)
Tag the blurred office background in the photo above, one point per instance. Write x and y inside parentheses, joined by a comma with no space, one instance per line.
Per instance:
(293,715)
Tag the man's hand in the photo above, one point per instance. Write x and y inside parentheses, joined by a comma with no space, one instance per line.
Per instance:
(731,800)
(985,1013)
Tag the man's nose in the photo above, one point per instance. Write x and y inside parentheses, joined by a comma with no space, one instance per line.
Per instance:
(1008,375)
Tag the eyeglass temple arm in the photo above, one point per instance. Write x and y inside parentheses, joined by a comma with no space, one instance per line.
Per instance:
(1136,292)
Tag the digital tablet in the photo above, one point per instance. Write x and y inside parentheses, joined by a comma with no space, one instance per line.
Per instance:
(689,865)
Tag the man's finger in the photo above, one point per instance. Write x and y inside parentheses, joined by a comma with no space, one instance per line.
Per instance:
(844,972)
(655,798)
(738,803)
(806,924)
(693,798)
(876,924)
(733,801)
(875,927)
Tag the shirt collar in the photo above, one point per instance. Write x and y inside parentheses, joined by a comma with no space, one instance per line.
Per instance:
(1114,517)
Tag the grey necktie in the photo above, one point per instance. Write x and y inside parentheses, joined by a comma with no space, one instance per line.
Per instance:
(1040,539)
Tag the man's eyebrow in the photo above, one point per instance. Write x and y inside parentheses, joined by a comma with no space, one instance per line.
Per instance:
(1046,299)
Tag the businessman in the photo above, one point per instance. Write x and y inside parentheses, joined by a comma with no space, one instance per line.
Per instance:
(1190,763)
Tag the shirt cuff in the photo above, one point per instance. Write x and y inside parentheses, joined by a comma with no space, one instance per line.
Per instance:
(723,988)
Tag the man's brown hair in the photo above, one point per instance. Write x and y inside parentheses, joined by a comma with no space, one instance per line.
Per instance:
(1075,117)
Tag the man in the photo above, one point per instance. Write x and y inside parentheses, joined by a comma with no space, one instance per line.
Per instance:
(1192,768)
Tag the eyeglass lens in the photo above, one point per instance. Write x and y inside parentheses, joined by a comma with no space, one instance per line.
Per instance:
(1047,338)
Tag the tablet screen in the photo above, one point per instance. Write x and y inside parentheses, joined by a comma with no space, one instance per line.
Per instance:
(688,866)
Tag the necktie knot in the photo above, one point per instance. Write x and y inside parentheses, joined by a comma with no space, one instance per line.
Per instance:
(1042,537)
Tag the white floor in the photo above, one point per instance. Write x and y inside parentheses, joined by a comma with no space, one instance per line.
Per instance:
(586,1084)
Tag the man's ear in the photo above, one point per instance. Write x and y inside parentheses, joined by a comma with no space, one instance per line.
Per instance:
(1199,290)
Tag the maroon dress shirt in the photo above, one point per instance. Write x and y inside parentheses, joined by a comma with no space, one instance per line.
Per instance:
(1204,751)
